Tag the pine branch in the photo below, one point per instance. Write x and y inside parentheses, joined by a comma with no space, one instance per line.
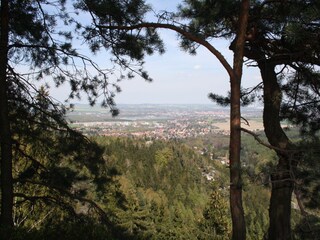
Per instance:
(66,193)
(33,198)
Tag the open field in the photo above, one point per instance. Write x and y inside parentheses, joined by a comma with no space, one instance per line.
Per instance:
(254,125)
(161,121)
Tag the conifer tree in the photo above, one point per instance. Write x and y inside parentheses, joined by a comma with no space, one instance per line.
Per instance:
(283,40)
(54,167)
(288,38)
(118,22)
(34,48)
(216,222)
(286,48)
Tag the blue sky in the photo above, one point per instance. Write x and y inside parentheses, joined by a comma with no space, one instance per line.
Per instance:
(178,77)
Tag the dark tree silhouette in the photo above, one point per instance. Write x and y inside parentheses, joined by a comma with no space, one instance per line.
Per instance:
(33,48)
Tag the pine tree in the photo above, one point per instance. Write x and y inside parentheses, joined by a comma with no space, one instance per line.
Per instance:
(289,41)
(133,30)
(216,223)
(34,49)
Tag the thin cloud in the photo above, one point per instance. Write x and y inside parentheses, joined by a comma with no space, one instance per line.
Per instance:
(196,67)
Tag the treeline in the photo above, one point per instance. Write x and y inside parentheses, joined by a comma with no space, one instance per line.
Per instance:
(134,188)
(164,190)
(139,189)
(258,162)
(142,190)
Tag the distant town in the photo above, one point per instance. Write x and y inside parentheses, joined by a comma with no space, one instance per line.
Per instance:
(161,121)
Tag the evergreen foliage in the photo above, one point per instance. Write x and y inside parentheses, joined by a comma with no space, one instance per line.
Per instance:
(302,107)
(128,48)
(34,48)
(129,189)
(283,39)
(54,166)
(140,200)
(216,223)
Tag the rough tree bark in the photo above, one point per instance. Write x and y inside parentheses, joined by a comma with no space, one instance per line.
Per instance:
(5,134)
(237,212)
(281,179)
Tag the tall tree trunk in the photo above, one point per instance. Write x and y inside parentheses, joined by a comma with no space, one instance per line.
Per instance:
(5,134)
(282,183)
(280,202)
(237,213)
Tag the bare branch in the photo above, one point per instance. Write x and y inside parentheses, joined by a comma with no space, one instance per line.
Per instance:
(181,31)
(259,140)
(246,121)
